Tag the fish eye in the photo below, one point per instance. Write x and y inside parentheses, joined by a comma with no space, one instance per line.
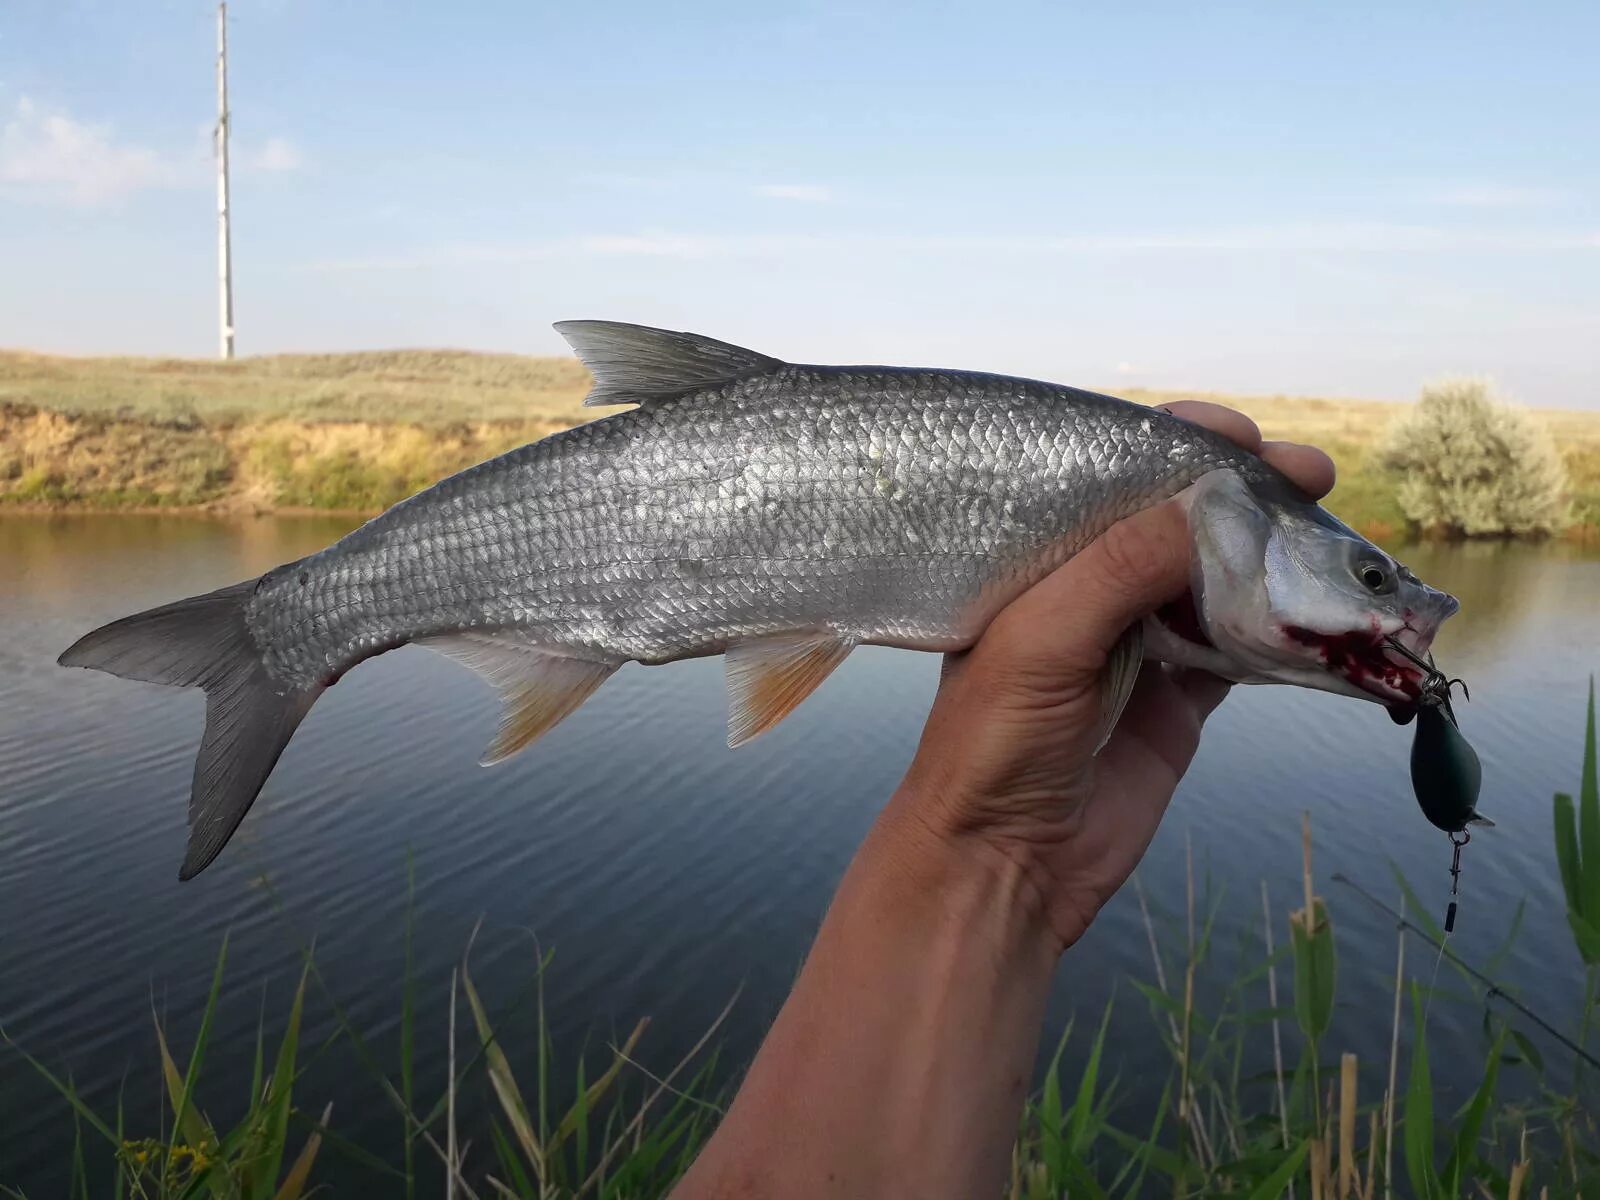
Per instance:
(1375,579)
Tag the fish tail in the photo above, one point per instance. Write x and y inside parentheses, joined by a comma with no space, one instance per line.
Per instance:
(204,642)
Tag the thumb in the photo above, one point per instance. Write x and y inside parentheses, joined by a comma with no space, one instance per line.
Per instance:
(1055,637)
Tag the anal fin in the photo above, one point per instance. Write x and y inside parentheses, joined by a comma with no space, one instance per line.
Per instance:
(769,676)
(539,685)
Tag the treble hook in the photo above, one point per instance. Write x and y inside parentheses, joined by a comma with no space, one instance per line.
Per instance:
(1435,686)
(1434,681)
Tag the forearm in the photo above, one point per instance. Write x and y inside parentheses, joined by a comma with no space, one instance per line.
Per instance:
(899,1064)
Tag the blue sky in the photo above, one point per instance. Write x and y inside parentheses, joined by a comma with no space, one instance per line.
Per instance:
(1345,199)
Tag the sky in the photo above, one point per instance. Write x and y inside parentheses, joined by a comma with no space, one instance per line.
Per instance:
(1346,199)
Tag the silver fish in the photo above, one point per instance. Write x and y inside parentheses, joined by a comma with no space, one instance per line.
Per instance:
(781,515)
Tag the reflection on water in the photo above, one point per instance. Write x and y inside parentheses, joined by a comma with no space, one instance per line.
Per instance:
(667,871)
(1502,586)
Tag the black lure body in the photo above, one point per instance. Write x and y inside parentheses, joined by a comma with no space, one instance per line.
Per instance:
(1445,772)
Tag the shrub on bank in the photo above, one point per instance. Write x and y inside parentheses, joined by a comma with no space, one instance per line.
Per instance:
(1469,465)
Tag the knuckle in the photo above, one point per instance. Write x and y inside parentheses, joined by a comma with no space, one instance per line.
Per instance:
(1137,555)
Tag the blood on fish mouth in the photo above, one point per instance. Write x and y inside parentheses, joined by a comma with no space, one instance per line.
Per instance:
(1362,658)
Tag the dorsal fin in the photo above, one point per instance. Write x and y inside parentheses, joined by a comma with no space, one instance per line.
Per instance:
(632,364)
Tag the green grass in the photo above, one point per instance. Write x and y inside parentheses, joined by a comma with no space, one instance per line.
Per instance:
(360,431)
(567,1123)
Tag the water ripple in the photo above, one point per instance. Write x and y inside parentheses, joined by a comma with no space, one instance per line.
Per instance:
(665,869)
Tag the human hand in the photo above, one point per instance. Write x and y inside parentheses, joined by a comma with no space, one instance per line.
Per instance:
(1007,762)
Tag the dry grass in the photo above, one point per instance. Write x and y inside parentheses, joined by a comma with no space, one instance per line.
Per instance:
(328,431)
(426,387)
(361,430)
(1351,431)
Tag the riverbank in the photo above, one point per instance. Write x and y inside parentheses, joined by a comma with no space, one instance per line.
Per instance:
(357,432)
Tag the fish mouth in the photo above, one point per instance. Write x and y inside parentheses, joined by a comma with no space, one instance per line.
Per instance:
(1360,662)
(1365,659)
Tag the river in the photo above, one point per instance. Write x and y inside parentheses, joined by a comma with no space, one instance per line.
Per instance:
(666,872)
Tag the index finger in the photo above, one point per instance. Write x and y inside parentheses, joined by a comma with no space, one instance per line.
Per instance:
(1063,625)
(1307,467)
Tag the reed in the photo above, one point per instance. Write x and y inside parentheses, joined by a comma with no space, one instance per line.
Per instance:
(570,1124)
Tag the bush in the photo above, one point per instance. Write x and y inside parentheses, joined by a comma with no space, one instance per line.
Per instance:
(1472,466)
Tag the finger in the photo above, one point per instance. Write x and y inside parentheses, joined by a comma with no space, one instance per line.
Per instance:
(1155,740)
(1308,466)
(1163,720)
(1064,625)
(1204,690)
(1229,422)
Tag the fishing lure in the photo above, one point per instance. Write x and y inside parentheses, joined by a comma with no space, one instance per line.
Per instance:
(1445,772)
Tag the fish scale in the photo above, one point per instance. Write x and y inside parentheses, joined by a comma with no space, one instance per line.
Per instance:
(894,507)
(779,514)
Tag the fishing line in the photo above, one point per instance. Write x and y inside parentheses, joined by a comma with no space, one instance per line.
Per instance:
(1433,982)
(1491,988)
(1449,920)
(1457,840)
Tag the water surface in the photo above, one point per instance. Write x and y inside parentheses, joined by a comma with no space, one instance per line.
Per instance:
(666,871)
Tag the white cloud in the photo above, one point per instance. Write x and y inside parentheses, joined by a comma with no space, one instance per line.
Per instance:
(1305,238)
(51,156)
(1128,368)
(1497,196)
(275,154)
(805,193)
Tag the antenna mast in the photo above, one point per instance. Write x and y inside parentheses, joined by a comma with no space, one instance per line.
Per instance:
(224,240)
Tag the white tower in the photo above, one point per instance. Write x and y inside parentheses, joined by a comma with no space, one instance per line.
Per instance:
(224,239)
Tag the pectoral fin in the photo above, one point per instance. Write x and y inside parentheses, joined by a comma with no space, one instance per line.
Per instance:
(769,676)
(538,685)
(1122,672)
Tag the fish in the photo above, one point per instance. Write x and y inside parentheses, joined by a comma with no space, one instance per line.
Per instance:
(780,515)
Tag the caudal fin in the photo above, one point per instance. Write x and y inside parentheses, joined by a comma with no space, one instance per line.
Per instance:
(204,642)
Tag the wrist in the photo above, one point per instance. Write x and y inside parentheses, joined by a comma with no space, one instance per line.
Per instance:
(964,875)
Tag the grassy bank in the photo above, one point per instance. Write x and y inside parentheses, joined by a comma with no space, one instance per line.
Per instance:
(359,431)
(349,432)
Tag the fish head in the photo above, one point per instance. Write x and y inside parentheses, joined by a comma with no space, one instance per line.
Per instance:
(1285,592)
